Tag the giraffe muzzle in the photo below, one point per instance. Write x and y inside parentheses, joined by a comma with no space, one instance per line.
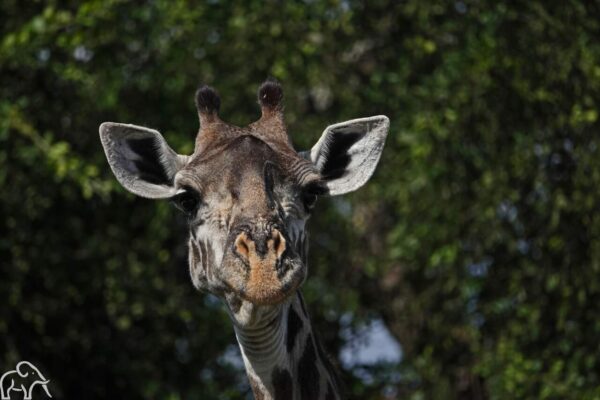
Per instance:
(271,273)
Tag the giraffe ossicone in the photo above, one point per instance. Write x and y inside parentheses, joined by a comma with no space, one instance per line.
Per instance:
(247,194)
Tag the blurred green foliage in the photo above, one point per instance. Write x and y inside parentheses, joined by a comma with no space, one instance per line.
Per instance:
(477,241)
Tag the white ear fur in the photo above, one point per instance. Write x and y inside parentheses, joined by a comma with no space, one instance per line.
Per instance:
(141,159)
(347,153)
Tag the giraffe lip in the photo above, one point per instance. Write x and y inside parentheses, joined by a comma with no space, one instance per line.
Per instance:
(262,281)
(288,281)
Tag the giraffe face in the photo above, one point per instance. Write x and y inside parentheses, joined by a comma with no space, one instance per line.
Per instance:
(246,210)
(246,192)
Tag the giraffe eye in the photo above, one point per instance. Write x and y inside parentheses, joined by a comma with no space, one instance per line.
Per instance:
(187,202)
(309,200)
(310,194)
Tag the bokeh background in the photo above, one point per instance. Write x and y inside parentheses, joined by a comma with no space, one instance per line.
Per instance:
(468,268)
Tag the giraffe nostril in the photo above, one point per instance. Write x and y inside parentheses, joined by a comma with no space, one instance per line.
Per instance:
(276,238)
(242,245)
(250,250)
(280,244)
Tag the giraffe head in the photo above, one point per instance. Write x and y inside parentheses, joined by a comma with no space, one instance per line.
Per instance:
(246,192)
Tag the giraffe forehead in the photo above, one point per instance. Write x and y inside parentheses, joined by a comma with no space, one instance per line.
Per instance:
(237,165)
(240,153)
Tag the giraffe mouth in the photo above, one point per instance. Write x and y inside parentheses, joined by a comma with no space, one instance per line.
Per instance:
(260,266)
(264,282)
(271,284)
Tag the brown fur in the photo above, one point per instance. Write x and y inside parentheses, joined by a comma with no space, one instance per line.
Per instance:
(238,199)
(263,286)
(247,195)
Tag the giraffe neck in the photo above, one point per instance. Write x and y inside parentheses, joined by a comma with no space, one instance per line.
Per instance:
(283,358)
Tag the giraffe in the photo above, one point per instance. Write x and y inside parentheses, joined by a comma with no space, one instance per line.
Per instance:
(247,195)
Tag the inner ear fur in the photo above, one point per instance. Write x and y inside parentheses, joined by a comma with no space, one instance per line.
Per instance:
(141,159)
(347,153)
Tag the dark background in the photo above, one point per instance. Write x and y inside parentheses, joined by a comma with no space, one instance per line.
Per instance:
(476,242)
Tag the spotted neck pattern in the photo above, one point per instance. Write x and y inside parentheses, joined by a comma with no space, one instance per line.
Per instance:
(283,358)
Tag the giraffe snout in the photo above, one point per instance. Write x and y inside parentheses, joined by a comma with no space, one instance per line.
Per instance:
(271,272)
(260,248)
(263,254)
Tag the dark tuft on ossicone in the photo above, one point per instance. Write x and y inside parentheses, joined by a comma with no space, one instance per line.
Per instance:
(270,94)
(207,100)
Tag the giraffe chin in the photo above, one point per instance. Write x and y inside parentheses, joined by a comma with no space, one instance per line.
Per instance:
(251,305)
(267,297)
(245,314)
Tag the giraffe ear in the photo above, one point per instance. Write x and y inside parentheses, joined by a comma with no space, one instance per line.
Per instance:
(348,152)
(141,159)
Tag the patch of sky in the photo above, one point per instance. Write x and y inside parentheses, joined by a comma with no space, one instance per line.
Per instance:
(460,7)
(369,345)
(232,356)
(480,269)
(83,54)
(342,206)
